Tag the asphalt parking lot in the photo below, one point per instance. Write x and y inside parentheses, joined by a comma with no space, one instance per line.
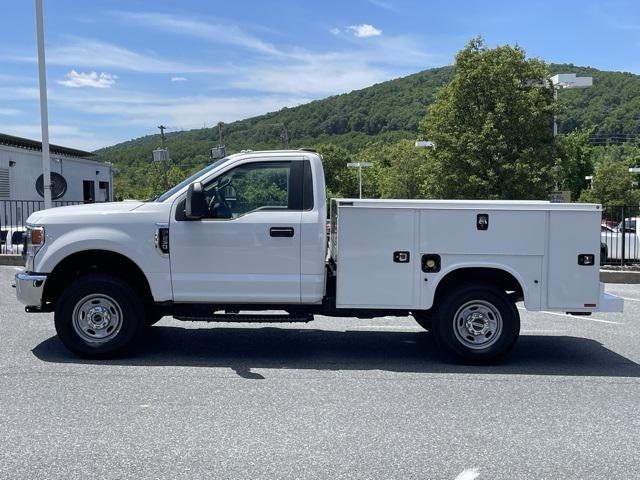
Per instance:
(336,398)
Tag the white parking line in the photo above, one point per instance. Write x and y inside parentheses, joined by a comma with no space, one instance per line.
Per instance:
(541,331)
(468,474)
(387,327)
(578,317)
(632,299)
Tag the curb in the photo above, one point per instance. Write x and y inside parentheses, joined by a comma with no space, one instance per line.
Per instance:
(15,260)
(619,276)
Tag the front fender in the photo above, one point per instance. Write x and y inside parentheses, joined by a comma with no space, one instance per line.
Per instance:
(137,246)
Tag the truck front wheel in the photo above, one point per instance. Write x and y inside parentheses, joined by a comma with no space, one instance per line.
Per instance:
(478,323)
(99,316)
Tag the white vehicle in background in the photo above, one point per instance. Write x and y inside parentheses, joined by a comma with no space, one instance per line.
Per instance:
(11,240)
(248,234)
(612,238)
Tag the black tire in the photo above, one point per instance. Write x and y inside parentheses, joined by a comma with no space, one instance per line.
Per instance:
(424,319)
(151,317)
(449,325)
(110,294)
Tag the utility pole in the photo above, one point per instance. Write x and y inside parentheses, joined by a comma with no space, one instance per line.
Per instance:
(162,138)
(162,155)
(285,137)
(219,151)
(44,114)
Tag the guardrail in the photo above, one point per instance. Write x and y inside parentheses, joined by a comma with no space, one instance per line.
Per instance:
(619,236)
(13,219)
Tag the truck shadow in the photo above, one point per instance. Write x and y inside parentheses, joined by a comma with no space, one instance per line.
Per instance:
(247,349)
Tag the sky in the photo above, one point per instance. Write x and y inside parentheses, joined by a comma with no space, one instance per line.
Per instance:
(116,69)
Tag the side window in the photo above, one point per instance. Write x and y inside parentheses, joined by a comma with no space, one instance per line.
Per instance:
(250,187)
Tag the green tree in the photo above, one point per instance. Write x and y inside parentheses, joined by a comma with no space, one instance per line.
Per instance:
(339,179)
(161,177)
(399,169)
(612,183)
(492,127)
(574,161)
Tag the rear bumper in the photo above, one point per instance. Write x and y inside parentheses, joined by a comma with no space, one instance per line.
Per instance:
(29,287)
(609,302)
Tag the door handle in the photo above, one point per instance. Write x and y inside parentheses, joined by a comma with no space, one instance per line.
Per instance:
(281,231)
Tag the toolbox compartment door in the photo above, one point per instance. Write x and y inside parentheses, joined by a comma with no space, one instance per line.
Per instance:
(373,271)
(571,286)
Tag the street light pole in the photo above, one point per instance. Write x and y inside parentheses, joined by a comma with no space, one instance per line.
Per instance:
(359,166)
(44,115)
(566,80)
(555,115)
(590,178)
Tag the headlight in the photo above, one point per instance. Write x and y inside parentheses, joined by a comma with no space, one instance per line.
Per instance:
(34,240)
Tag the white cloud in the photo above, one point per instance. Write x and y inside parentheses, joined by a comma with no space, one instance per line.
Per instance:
(74,79)
(216,32)
(364,30)
(66,135)
(385,5)
(9,111)
(19,93)
(266,79)
(180,112)
(318,77)
(83,52)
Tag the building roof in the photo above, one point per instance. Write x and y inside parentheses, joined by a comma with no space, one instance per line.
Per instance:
(28,144)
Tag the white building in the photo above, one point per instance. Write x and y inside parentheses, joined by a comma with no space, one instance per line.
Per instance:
(75,176)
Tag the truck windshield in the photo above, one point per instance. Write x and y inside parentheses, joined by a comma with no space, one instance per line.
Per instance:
(191,179)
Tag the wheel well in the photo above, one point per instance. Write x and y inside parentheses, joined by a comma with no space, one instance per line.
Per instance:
(500,278)
(95,261)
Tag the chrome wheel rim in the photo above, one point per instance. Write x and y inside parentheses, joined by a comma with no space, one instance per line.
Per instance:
(97,318)
(477,324)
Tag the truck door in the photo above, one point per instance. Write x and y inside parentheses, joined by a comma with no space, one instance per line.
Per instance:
(247,248)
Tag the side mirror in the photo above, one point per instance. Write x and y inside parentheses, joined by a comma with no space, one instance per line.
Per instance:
(196,204)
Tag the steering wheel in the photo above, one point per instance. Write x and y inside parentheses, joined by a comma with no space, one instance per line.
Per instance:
(218,206)
(219,197)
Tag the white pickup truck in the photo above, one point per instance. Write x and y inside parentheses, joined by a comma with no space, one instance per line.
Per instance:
(248,234)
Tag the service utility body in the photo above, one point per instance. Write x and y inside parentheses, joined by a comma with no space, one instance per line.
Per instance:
(248,235)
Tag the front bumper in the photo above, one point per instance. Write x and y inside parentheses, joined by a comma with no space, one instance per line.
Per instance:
(29,288)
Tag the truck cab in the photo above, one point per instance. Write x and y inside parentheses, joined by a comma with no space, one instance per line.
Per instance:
(247,235)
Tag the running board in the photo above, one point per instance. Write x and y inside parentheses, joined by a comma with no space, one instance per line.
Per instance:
(248,318)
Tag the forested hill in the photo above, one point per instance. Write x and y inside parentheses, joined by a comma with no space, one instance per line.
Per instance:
(387,111)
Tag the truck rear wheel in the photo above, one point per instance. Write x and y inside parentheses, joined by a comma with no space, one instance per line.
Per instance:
(99,316)
(478,323)
(423,319)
